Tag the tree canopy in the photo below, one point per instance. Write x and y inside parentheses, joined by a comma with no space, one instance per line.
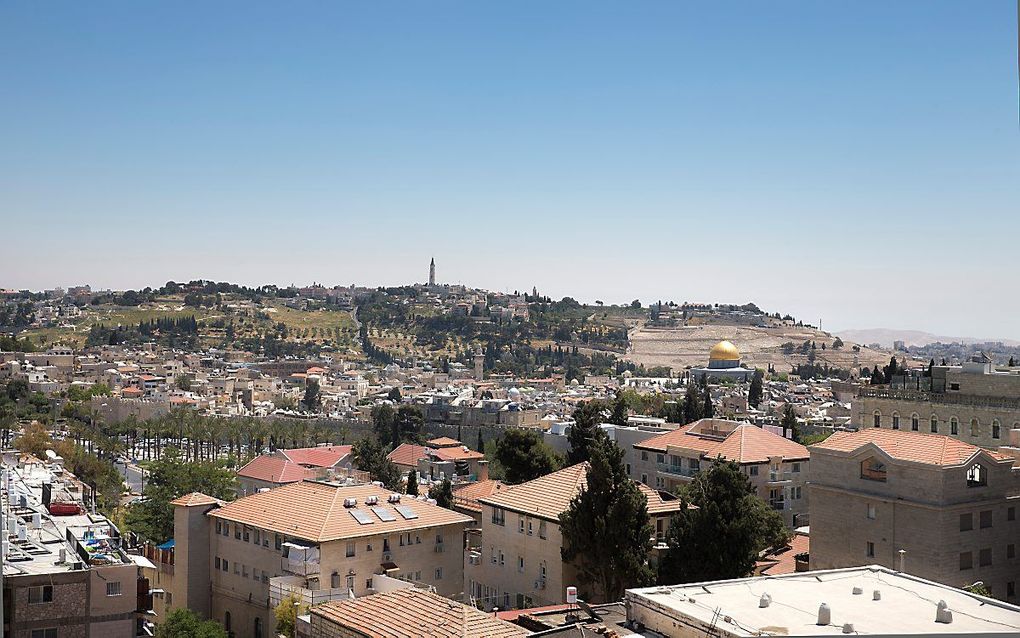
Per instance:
(607,533)
(442,492)
(371,457)
(723,535)
(524,456)
(184,623)
(585,430)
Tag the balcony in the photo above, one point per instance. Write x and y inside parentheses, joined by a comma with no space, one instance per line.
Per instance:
(780,477)
(778,504)
(677,470)
(300,560)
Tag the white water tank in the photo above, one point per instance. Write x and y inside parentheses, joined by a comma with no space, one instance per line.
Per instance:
(572,595)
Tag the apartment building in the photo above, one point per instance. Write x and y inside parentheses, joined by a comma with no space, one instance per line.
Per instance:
(776,467)
(317,541)
(294,465)
(516,562)
(441,458)
(65,570)
(974,402)
(923,503)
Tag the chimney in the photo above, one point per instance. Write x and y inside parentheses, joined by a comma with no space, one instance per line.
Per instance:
(483,470)
(902,560)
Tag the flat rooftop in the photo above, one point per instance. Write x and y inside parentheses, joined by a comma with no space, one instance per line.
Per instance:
(907,605)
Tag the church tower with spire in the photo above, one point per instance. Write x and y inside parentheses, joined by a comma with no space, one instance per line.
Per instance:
(432,272)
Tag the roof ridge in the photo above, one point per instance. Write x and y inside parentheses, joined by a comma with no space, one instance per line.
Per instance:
(329,512)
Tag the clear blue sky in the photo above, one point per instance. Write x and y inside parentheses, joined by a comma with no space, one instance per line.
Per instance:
(854,161)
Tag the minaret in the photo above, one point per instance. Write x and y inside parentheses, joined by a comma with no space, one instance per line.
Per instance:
(479,364)
(432,272)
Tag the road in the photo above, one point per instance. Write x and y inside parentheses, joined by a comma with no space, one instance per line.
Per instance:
(133,476)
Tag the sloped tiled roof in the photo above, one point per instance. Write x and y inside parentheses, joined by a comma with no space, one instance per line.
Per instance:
(782,561)
(467,495)
(456,454)
(550,495)
(407,454)
(442,441)
(315,512)
(274,469)
(195,499)
(413,613)
(745,444)
(905,445)
(321,456)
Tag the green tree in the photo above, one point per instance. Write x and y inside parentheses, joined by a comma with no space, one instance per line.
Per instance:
(692,404)
(585,430)
(442,492)
(35,439)
(636,304)
(607,533)
(394,395)
(708,411)
(171,477)
(409,425)
(313,396)
(371,457)
(184,381)
(722,536)
(384,418)
(790,423)
(412,483)
(755,391)
(524,456)
(286,614)
(184,623)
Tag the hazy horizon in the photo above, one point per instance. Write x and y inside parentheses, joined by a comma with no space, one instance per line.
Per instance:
(856,164)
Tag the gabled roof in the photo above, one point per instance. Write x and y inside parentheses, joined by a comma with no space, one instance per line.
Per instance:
(274,469)
(745,444)
(906,445)
(783,560)
(413,613)
(456,454)
(322,456)
(407,454)
(550,495)
(466,495)
(443,441)
(195,499)
(315,512)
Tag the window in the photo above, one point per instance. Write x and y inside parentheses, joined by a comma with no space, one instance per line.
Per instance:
(237,568)
(966,561)
(226,565)
(368,547)
(237,531)
(871,511)
(226,621)
(934,423)
(258,628)
(350,549)
(502,559)
(50,632)
(244,571)
(226,529)
(520,564)
(954,386)
(754,470)
(531,530)
(217,562)
(660,458)
(541,529)
(520,527)
(644,479)
(895,421)
(796,492)
(996,430)
(386,544)
(966,522)
(258,533)
(1010,513)
(219,527)
(985,519)
(113,588)
(877,419)
(279,542)
(247,534)
(873,469)
(368,583)
(796,468)
(870,551)
(350,582)
(644,455)
(1011,589)
(954,426)
(976,476)
(915,422)
(985,557)
(40,594)
(439,573)
(1011,551)
(498,516)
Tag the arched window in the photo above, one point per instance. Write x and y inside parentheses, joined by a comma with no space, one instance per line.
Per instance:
(975,427)
(258,628)
(954,426)
(878,419)
(895,420)
(873,469)
(915,422)
(996,429)
(226,621)
(977,476)
(934,423)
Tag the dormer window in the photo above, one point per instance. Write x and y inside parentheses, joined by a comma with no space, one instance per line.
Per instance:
(977,476)
(873,470)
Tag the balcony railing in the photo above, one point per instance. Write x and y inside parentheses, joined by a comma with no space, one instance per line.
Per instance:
(778,504)
(677,470)
(300,567)
(777,476)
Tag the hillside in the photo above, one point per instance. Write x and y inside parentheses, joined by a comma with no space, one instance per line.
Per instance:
(887,336)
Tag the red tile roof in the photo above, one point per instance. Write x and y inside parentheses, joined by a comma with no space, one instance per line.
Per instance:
(407,454)
(905,445)
(443,441)
(745,444)
(466,496)
(457,454)
(322,456)
(195,499)
(273,469)
(782,561)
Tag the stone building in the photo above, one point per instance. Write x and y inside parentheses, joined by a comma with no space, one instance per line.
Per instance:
(974,402)
(516,562)
(776,467)
(317,541)
(923,503)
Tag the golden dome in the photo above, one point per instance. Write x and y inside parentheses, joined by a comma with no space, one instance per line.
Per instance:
(724,351)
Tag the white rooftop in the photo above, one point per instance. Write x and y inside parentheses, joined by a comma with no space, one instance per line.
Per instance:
(907,605)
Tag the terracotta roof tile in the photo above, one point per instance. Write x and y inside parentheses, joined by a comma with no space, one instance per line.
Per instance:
(443,441)
(745,444)
(905,445)
(195,499)
(274,469)
(466,496)
(407,454)
(321,456)
(782,561)
(413,613)
(315,512)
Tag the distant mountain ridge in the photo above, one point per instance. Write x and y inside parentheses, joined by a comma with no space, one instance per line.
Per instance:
(886,336)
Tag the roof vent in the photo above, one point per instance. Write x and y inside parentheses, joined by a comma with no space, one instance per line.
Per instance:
(848,628)
(943,613)
(394,498)
(876,595)
(765,600)
(858,590)
(824,614)
(371,500)
(350,502)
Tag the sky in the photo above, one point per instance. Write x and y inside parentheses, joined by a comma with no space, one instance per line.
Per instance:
(851,162)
